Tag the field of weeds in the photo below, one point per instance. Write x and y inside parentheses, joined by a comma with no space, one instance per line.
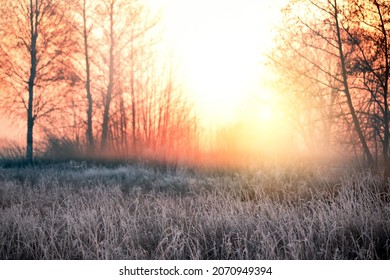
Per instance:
(140,212)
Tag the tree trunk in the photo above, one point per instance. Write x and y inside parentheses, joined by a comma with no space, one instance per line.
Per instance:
(133,98)
(386,133)
(89,131)
(123,123)
(370,159)
(106,113)
(31,80)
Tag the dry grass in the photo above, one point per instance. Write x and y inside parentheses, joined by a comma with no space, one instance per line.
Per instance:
(136,212)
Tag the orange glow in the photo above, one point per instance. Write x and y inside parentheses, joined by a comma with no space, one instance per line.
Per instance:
(220,47)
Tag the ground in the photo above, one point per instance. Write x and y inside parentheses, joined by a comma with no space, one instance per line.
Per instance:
(143,211)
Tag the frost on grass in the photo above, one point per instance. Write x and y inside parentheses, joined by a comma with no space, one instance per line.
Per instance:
(138,212)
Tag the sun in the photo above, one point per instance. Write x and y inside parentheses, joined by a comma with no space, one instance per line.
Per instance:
(265,107)
(266,114)
(221,71)
(220,47)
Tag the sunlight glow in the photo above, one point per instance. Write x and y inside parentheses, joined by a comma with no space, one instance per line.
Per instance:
(266,114)
(98,33)
(220,47)
(266,108)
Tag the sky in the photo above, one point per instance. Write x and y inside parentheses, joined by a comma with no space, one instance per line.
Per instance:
(219,47)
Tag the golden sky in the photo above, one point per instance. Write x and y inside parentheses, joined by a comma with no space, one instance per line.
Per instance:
(220,47)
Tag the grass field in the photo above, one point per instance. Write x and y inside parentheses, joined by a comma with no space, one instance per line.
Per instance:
(136,211)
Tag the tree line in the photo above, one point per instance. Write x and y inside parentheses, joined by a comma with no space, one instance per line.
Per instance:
(334,59)
(92,72)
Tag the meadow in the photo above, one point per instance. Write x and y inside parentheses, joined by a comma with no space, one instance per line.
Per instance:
(142,211)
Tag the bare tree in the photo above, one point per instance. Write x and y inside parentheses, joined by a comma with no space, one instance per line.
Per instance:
(36,35)
(369,62)
(89,130)
(325,34)
(111,6)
